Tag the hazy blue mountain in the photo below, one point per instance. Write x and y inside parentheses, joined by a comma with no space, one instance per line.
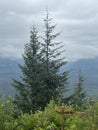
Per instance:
(9,69)
(89,69)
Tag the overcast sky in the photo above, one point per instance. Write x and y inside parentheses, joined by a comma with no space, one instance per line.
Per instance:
(76,19)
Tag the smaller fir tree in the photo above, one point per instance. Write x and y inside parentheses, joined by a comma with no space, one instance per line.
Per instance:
(79,95)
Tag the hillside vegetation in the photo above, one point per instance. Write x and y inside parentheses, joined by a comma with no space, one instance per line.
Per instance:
(54,117)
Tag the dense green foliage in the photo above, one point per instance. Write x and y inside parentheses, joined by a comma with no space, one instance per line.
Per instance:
(41,79)
(54,117)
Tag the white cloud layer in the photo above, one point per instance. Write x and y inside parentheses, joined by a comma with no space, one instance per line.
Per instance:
(76,19)
(80,51)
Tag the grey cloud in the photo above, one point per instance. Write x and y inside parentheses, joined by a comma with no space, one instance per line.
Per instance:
(10,51)
(19,6)
(77,19)
(79,51)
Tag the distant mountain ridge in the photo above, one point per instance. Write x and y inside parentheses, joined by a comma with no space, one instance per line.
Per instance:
(89,70)
(9,69)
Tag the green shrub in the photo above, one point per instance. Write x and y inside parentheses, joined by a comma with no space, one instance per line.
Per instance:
(54,117)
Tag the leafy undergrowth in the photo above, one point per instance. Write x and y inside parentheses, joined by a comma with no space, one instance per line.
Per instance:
(54,117)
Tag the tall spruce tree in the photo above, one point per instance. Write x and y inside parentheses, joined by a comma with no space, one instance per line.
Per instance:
(42,79)
(54,80)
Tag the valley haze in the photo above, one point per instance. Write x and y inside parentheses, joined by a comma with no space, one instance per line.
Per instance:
(9,69)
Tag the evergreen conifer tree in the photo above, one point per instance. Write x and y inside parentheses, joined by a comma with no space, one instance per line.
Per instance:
(79,94)
(54,80)
(28,89)
(42,79)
